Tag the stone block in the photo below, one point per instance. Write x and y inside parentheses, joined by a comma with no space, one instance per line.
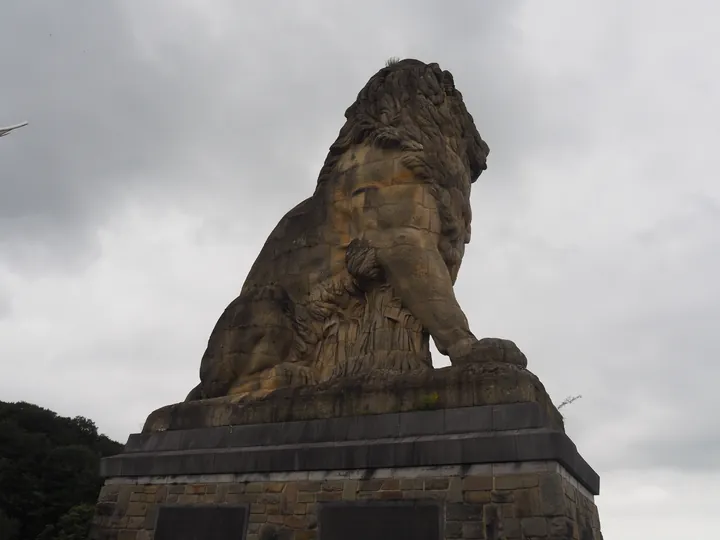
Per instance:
(370,485)
(239,498)
(257,508)
(150,517)
(391,484)
(136,509)
(561,527)
(350,489)
(528,502)
(507,510)
(478,483)
(436,483)
(468,419)
(270,498)
(453,529)
(333,485)
(326,496)
(501,497)
(454,491)
(552,496)
(492,520)
(272,509)
(295,522)
(411,484)
(516,481)
(473,529)
(309,486)
(299,509)
(534,526)
(528,415)
(477,497)
(196,489)
(306,497)
(254,487)
(417,423)
(511,528)
(464,512)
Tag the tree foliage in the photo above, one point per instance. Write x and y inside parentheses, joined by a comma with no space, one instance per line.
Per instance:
(48,473)
(73,525)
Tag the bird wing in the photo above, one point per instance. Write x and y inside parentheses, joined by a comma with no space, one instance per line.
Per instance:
(4,131)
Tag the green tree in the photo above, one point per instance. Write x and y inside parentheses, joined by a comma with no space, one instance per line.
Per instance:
(9,528)
(73,525)
(48,471)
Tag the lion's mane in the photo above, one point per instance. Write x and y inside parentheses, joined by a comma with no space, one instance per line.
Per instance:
(409,105)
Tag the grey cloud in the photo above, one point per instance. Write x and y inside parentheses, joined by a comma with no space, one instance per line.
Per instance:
(5,306)
(122,108)
(227,120)
(632,329)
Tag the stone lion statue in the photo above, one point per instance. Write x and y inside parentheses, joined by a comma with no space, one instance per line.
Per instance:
(357,277)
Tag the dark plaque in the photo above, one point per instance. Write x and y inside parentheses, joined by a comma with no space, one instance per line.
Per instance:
(407,520)
(201,523)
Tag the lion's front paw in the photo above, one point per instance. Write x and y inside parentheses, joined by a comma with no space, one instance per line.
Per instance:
(492,350)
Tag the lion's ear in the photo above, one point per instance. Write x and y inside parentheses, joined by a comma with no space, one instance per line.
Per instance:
(448,83)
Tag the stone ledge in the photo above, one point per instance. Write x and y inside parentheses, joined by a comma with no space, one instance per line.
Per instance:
(485,418)
(375,393)
(449,449)
(520,469)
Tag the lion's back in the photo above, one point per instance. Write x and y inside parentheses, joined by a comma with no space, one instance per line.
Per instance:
(297,253)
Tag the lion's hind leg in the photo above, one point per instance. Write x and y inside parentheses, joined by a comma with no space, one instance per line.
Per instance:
(253,334)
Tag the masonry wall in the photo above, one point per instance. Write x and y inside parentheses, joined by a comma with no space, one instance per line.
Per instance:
(529,501)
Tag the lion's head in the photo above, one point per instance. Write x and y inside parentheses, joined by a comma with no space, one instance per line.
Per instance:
(413,106)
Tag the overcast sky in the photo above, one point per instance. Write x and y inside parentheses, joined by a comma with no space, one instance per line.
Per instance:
(167,137)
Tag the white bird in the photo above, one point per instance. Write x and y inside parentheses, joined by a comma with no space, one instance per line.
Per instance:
(5,130)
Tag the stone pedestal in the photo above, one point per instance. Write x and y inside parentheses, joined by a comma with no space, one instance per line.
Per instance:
(497,465)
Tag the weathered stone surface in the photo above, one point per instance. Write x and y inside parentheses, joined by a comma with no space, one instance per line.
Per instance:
(357,277)
(478,516)
(270,448)
(378,392)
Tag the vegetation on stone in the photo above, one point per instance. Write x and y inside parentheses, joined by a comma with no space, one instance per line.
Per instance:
(49,468)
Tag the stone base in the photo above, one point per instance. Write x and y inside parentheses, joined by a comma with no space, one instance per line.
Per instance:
(492,501)
(471,452)
(374,393)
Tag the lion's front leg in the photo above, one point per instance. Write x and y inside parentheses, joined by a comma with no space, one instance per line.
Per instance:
(418,275)
(402,227)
